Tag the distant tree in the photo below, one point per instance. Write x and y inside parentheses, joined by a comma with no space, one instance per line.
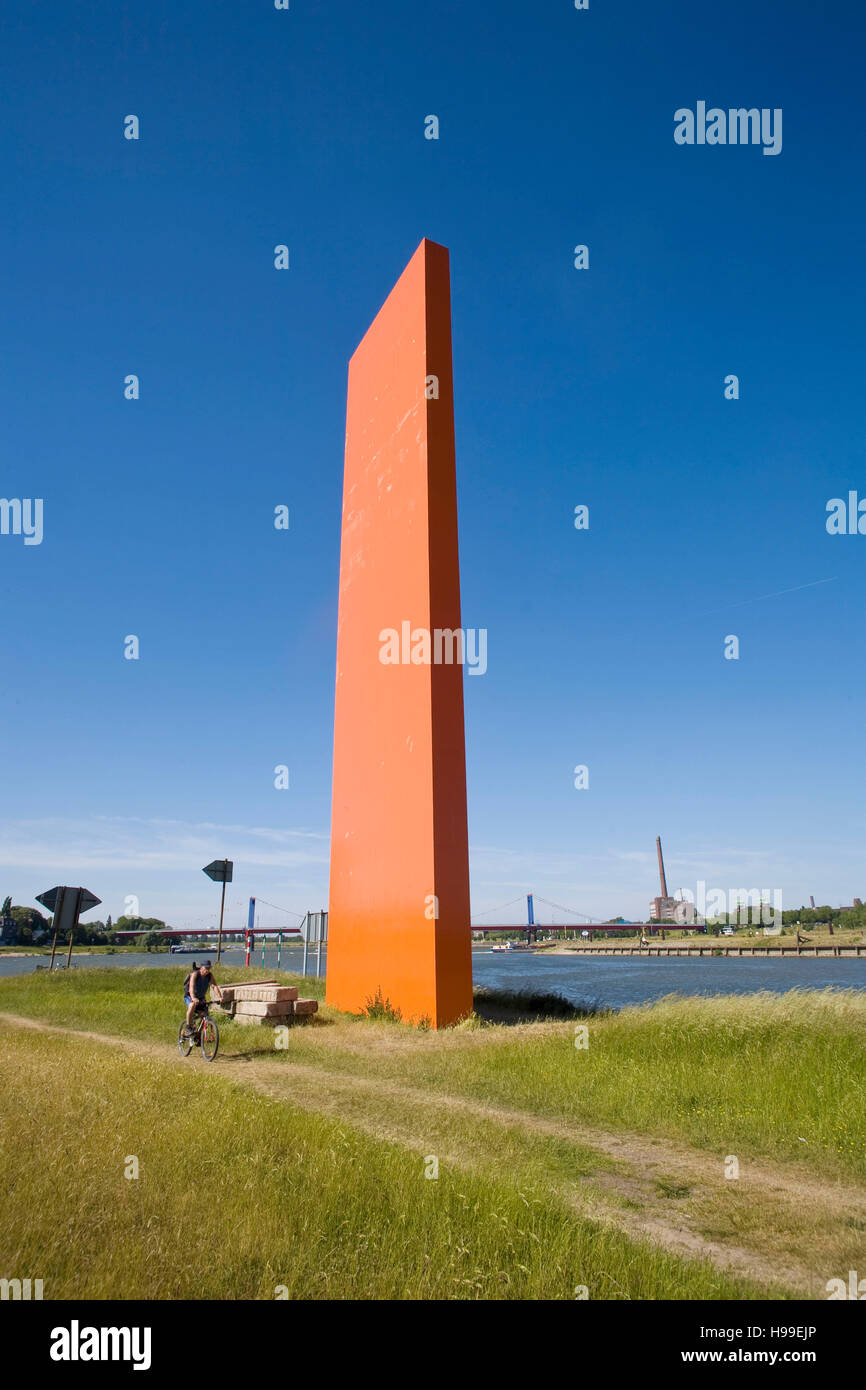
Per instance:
(29,924)
(147,926)
(6,908)
(142,924)
(855,918)
(91,933)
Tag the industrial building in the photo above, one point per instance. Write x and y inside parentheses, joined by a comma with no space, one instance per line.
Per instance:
(664,907)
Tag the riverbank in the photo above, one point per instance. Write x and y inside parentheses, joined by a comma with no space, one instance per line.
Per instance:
(698,950)
(565,1158)
(20,953)
(830,942)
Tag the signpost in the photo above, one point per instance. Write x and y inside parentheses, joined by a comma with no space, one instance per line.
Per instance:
(220,870)
(251,922)
(314,928)
(66,904)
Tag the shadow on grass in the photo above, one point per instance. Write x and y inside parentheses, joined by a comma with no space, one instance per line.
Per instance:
(245,1044)
(531,1006)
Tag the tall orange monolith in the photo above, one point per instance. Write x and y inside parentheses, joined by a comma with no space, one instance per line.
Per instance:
(399,900)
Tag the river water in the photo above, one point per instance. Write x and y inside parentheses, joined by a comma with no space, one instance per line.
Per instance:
(609,981)
(613,981)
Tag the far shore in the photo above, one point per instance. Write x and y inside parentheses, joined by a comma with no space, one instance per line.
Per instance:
(6,954)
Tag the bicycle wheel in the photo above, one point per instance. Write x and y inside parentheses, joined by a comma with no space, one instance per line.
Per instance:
(184,1041)
(210,1039)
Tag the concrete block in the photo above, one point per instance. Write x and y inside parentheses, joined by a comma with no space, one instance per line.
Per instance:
(264,994)
(252,1008)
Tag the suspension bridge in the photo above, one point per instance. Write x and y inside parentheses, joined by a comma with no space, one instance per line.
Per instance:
(531,926)
(259,928)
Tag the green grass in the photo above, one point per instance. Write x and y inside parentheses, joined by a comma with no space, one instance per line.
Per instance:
(142,1002)
(319,1181)
(238,1195)
(781,1076)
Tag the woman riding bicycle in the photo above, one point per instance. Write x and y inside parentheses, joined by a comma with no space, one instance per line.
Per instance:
(195,988)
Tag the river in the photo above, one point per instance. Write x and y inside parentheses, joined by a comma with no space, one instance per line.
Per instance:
(605,980)
(613,981)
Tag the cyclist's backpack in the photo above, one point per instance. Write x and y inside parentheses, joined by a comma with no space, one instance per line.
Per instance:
(186,983)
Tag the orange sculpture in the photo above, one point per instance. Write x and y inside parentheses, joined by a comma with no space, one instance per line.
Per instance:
(398,927)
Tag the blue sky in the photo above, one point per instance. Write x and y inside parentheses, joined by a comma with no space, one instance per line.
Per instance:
(603,387)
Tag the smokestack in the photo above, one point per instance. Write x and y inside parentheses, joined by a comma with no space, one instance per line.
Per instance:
(811,902)
(664,885)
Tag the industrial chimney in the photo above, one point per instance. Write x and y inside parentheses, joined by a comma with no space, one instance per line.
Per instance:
(662,881)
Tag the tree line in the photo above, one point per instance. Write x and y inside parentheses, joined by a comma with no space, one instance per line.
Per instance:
(26,926)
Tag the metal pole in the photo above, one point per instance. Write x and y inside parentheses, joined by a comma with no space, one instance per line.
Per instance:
(263,948)
(279,948)
(72,928)
(305,926)
(251,922)
(319,946)
(222,909)
(53,949)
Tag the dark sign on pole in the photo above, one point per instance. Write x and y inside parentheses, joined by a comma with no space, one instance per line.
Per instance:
(220,870)
(61,900)
(66,904)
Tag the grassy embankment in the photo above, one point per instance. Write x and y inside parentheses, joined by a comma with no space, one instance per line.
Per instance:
(558,1166)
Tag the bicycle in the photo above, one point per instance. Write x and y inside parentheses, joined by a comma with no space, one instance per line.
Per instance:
(205,1034)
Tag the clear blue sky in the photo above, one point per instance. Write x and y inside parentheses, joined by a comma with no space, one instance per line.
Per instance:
(602,387)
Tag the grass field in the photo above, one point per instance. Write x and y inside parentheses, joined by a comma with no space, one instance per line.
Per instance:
(599,1165)
(271,1197)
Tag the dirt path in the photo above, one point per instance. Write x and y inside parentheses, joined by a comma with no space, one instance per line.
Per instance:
(627,1190)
